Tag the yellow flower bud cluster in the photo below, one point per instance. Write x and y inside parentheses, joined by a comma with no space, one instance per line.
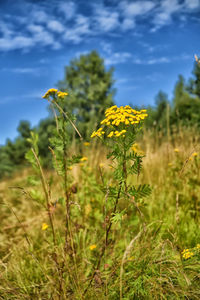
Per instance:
(54,92)
(194,154)
(120,116)
(84,158)
(186,253)
(61,94)
(98,133)
(116,133)
(123,115)
(92,247)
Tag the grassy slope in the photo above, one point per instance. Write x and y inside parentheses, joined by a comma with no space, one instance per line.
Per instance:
(151,265)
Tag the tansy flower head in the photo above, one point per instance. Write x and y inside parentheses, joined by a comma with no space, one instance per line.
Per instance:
(53,93)
(61,95)
(50,92)
(194,154)
(176,150)
(92,247)
(86,144)
(44,226)
(84,159)
(120,117)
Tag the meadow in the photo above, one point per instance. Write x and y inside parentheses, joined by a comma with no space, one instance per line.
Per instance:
(116,220)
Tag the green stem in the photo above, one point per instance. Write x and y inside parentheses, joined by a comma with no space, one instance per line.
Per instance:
(106,240)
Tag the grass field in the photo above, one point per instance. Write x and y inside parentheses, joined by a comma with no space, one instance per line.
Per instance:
(143,257)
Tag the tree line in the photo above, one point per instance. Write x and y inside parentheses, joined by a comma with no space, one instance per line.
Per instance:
(90,88)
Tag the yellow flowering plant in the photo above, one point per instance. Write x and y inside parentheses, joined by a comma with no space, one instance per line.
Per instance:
(193,252)
(118,131)
(62,163)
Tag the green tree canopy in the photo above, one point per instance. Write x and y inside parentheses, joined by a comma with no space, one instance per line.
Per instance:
(186,107)
(90,88)
(196,81)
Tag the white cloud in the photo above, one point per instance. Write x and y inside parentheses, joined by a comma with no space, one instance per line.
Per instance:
(18,42)
(79,30)
(127,24)
(165,12)
(68,9)
(31,71)
(137,8)
(107,47)
(39,16)
(158,60)
(5,29)
(105,19)
(151,61)
(39,24)
(117,58)
(35,29)
(55,26)
(192,4)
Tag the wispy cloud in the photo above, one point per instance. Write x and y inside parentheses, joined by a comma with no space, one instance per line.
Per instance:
(32,71)
(160,60)
(165,12)
(105,19)
(117,58)
(55,26)
(192,4)
(24,97)
(79,31)
(133,9)
(38,24)
(68,9)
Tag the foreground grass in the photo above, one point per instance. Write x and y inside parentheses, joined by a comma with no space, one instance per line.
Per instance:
(143,259)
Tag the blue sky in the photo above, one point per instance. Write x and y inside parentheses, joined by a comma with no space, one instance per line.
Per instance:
(148,42)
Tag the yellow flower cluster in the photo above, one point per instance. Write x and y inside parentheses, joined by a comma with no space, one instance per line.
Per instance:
(123,115)
(117,116)
(61,94)
(186,253)
(116,133)
(194,154)
(44,226)
(98,133)
(54,92)
(135,147)
(86,144)
(84,158)
(92,247)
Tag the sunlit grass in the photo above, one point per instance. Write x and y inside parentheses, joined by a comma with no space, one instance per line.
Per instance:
(152,265)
